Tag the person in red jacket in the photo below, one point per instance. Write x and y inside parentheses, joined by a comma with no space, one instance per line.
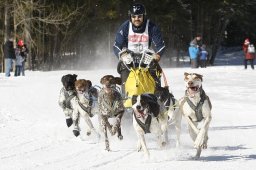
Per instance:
(249,53)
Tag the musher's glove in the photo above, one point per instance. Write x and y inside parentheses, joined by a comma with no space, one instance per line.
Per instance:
(157,57)
(125,56)
(151,55)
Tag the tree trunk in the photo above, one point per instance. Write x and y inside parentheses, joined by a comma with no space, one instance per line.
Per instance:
(6,28)
(218,39)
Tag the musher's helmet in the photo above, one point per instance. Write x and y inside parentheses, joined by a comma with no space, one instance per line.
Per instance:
(137,9)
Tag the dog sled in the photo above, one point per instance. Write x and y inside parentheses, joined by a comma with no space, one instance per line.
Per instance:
(139,79)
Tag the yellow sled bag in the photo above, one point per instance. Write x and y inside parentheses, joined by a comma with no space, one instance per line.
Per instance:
(139,81)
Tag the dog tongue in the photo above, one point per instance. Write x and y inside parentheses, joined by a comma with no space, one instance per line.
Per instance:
(140,114)
(192,90)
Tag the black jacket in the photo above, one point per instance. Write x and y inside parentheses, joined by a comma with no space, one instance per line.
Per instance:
(9,51)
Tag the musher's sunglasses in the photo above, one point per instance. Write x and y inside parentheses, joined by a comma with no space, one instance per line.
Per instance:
(138,16)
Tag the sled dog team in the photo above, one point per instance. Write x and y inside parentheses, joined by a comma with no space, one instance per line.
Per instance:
(152,113)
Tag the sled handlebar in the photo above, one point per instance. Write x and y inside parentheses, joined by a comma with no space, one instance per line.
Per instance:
(145,57)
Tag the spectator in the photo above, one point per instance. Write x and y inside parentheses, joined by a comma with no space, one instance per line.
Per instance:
(203,56)
(193,54)
(18,62)
(9,55)
(249,53)
(23,52)
(196,41)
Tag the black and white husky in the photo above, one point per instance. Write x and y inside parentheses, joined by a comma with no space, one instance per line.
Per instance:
(150,116)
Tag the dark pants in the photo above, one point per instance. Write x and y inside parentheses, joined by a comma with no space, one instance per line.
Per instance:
(194,63)
(23,68)
(203,63)
(17,70)
(8,66)
(251,62)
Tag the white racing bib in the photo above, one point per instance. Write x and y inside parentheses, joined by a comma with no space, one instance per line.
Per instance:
(138,42)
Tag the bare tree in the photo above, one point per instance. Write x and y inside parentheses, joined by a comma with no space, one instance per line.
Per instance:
(29,22)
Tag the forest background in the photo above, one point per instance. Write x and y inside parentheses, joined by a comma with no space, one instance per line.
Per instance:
(65,34)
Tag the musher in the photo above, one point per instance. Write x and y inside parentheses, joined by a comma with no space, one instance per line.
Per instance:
(137,34)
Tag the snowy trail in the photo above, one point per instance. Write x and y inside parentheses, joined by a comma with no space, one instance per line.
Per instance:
(34,134)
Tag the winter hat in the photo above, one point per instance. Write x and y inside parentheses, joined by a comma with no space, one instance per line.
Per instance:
(247,41)
(20,43)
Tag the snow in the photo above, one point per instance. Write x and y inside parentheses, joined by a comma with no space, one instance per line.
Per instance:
(34,134)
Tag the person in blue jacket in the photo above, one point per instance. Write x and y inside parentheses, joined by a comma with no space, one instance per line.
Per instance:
(193,54)
(137,34)
(203,56)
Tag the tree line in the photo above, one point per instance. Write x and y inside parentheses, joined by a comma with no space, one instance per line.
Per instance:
(64,34)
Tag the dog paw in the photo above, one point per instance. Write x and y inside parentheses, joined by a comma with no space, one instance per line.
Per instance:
(163,144)
(76,133)
(107,149)
(195,157)
(198,153)
(120,137)
(139,147)
(88,133)
(69,122)
(204,146)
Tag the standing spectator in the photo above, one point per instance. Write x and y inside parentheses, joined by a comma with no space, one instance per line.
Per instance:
(193,54)
(194,47)
(23,52)
(249,53)
(9,55)
(203,56)
(196,41)
(18,61)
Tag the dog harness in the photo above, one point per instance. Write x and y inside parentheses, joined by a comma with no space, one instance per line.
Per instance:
(145,126)
(112,108)
(198,108)
(89,107)
(167,103)
(68,98)
(86,109)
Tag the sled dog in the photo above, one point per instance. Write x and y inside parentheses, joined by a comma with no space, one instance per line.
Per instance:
(67,92)
(149,117)
(110,106)
(169,107)
(84,105)
(195,107)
